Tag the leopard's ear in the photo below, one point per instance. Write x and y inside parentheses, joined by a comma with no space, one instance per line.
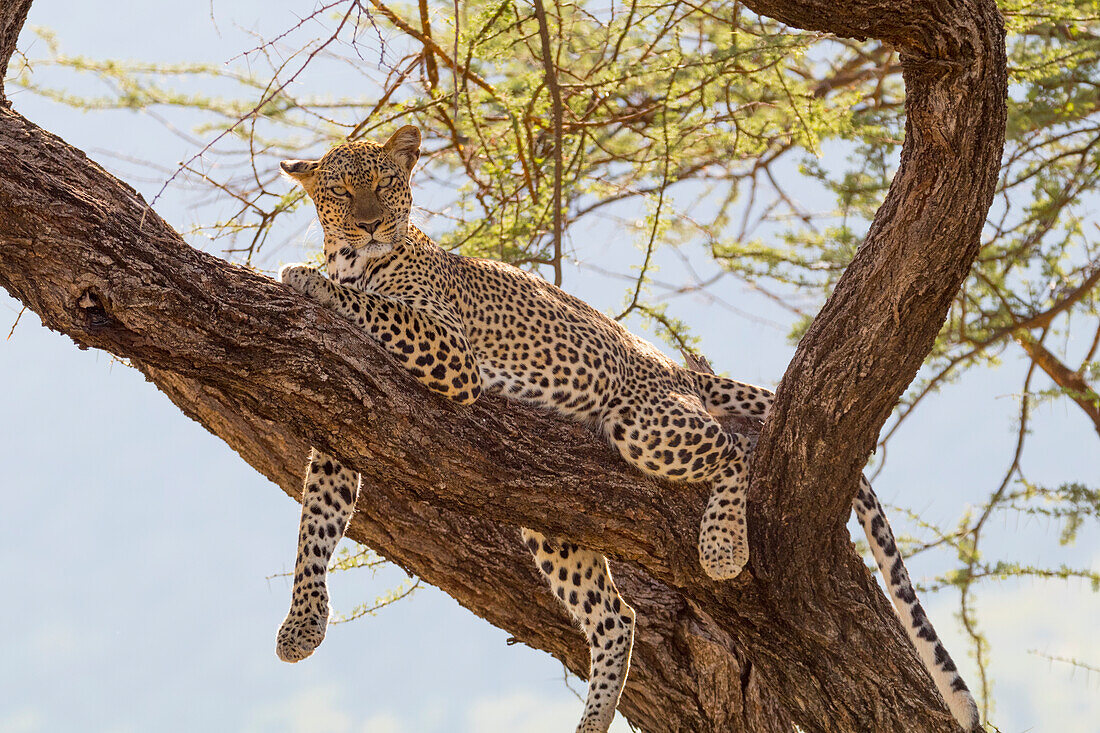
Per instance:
(302,171)
(404,147)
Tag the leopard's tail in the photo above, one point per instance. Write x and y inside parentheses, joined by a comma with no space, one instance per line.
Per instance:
(928,645)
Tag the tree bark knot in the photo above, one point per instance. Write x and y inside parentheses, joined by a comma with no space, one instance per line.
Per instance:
(92,310)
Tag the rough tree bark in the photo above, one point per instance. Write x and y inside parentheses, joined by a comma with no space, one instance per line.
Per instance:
(806,637)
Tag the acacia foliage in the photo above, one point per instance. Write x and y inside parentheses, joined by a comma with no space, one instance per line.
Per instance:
(710,117)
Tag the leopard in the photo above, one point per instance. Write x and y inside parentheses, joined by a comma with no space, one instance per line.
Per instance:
(465,327)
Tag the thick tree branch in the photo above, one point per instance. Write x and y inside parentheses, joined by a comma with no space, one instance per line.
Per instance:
(810,640)
(12,18)
(683,676)
(935,29)
(873,333)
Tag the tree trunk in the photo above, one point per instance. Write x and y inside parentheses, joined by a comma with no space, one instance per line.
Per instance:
(804,637)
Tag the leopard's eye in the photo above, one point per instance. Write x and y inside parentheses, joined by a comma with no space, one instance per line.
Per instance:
(339,190)
(384,182)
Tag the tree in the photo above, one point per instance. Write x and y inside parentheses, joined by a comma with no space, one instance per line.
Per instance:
(244,370)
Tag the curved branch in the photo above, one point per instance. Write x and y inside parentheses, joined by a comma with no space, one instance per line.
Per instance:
(875,330)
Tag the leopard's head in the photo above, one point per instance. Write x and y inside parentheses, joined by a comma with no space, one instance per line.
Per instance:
(362,194)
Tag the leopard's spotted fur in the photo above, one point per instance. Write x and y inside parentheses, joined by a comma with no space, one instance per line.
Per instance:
(464,326)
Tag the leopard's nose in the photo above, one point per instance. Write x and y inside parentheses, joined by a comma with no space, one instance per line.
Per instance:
(367,227)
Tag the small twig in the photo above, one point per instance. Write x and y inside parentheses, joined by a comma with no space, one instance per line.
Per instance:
(388,602)
(270,43)
(429,60)
(16,322)
(565,681)
(1065,660)
(428,43)
(555,97)
(458,28)
(656,215)
(966,611)
(268,96)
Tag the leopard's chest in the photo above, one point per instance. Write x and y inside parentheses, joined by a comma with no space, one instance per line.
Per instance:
(383,278)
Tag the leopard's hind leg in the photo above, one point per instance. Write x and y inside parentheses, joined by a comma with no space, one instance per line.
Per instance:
(328,501)
(582,581)
(724,397)
(677,439)
(723,533)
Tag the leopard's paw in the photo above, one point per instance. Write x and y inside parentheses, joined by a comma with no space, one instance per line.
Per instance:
(300,634)
(596,724)
(299,277)
(721,559)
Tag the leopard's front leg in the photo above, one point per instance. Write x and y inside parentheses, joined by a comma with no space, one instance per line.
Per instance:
(429,341)
(423,333)
(328,501)
(723,534)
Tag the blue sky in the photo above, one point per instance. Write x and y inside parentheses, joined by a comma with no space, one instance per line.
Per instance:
(139,550)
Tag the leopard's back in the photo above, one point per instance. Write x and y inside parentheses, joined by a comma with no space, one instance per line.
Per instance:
(536,343)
